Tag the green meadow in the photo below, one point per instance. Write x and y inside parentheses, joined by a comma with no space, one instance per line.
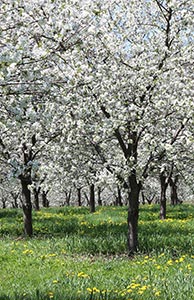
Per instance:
(81,256)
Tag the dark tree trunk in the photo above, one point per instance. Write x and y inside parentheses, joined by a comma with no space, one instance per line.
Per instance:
(3,203)
(79,197)
(15,199)
(14,204)
(87,199)
(133,214)
(143,197)
(119,197)
(45,202)
(99,196)
(173,190)
(149,201)
(163,186)
(92,198)
(68,197)
(26,205)
(36,198)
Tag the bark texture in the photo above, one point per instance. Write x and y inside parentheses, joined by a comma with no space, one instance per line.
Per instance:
(26,205)
(133,215)
(163,185)
(92,198)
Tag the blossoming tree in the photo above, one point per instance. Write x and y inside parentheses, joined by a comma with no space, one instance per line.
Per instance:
(120,70)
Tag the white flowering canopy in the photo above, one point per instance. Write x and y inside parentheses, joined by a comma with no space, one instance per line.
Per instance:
(94,85)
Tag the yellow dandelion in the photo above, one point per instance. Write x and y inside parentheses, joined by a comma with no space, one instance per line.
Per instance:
(95,290)
(181,259)
(52,255)
(55,281)
(144,287)
(169,262)
(51,295)
(134,285)
(158,267)
(82,275)
(27,251)
(157,293)
(189,267)
(162,254)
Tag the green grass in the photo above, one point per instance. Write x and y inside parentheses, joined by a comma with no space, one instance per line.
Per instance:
(81,256)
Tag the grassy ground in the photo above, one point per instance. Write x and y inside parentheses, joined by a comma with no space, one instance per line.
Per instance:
(81,256)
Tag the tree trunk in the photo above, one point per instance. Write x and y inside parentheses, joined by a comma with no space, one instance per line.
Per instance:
(79,197)
(36,198)
(67,197)
(15,198)
(92,198)
(26,205)
(3,203)
(99,197)
(163,185)
(173,191)
(119,199)
(87,199)
(143,197)
(45,202)
(133,214)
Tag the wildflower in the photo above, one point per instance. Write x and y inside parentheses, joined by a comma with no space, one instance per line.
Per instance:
(134,285)
(140,292)
(83,223)
(27,251)
(144,287)
(170,262)
(157,293)
(52,255)
(95,290)
(162,254)
(181,259)
(51,295)
(158,267)
(82,275)
(55,281)
(189,267)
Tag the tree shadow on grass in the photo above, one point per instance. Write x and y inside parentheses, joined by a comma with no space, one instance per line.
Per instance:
(166,237)
(60,296)
(10,213)
(107,237)
(111,238)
